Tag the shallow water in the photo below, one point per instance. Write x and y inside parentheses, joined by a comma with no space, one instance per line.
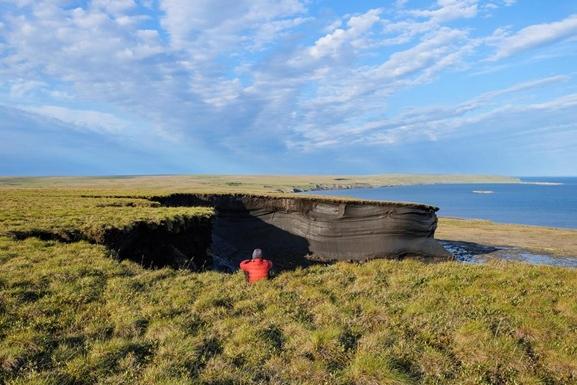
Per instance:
(466,253)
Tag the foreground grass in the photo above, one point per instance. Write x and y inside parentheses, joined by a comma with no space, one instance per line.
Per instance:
(71,315)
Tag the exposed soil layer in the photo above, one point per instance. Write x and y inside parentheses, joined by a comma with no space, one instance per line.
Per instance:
(61,236)
(214,200)
(292,231)
(297,231)
(181,243)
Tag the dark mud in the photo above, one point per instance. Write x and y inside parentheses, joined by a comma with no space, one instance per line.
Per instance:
(182,243)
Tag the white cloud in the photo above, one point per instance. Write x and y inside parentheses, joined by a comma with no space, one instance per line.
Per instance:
(205,77)
(533,84)
(495,4)
(114,7)
(401,3)
(430,52)
(97,121)
(235,73)
(468,118)
(338,96)
(436,122)
(219,25)
(334,42)
(21,87)
(536,36)
(449,10)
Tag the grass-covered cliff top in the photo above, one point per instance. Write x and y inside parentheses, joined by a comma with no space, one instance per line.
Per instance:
(69,205)
(279,199)
(72,214)
(68,214)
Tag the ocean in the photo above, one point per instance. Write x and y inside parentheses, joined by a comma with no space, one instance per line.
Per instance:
(545,201)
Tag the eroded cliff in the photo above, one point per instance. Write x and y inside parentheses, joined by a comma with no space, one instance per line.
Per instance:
(295,231)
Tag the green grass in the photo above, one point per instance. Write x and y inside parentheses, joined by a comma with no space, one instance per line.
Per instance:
(71,315)
(69,214)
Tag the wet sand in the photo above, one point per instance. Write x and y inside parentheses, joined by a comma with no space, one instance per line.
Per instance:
(469,252)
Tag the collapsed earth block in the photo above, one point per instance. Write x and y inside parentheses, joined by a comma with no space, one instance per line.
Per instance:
(296,231)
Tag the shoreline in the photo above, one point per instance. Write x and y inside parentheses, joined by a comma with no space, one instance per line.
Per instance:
(554,241)
(300,189)
(507,223)
(544,183)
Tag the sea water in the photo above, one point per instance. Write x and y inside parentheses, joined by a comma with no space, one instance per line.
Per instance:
(543,201)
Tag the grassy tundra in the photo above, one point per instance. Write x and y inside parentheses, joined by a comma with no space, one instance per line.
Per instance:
(71,314)
(238,183)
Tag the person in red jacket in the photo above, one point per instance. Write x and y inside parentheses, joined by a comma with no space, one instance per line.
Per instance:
(256,268)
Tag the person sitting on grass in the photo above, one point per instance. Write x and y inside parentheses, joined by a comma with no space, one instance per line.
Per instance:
(256,268)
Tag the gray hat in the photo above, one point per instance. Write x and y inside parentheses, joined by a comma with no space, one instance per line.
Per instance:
(257,253)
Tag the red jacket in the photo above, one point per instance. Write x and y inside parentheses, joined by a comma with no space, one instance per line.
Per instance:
(256,269)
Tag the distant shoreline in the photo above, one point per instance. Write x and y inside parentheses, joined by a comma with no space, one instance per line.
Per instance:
(516,203)
(544,183)
(298,189)
(246,183)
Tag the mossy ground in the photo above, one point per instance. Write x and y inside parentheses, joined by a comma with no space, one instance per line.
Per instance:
(67,212)
(70,314)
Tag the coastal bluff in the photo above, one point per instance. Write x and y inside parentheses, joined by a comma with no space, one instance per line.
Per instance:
(295,231)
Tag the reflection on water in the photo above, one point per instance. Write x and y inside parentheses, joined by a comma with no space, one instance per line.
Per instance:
(474,253)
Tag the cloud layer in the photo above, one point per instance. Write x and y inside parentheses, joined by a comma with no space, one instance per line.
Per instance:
(283,78)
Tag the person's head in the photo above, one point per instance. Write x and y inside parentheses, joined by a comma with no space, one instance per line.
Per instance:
(257,253)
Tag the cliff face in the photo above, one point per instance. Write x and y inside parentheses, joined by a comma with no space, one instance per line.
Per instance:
(294,231)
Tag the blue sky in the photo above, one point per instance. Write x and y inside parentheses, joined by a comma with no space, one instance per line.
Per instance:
(106,87)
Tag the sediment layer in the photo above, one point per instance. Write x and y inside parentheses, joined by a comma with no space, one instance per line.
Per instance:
(294,231)
(180,242)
